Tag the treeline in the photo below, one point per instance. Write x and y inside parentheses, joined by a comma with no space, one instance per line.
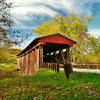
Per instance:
(87,51)
(8,55)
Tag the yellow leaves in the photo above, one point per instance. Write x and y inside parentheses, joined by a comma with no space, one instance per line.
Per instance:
(89,18)
(8,55)
(75,37)
(48,28)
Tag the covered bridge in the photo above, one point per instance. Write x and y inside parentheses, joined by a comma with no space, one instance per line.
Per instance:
(45,52)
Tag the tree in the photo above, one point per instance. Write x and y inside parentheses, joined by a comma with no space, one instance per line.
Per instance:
(94,45)
(94,49)
(5,21)
(71,26)
(8,35)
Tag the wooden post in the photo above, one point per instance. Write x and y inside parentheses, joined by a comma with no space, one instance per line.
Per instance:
(67,65)
(26,69)
(28,63)
(18,64)
(49,65)
(40,56)
(31,69)
(53,66)
(68,55)
(24,64)
(57,68)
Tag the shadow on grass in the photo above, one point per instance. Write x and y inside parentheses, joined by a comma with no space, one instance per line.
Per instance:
(11,74)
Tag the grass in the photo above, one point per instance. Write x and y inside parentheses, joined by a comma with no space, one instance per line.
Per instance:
(44,85)
(49,85)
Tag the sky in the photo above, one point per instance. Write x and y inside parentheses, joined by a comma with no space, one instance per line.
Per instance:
(28,14)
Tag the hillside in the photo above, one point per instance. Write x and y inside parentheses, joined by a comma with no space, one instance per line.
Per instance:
(8,55)
(8,59)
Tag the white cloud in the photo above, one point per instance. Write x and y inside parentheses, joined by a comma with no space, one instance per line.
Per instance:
(22,7)
(20,12)
(95,32)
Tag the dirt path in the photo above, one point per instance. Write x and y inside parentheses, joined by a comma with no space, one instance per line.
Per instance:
(85,70)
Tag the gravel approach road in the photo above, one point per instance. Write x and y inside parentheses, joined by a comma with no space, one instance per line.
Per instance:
(85,70)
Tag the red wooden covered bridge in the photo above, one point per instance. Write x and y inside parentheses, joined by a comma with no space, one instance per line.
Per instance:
(45,52)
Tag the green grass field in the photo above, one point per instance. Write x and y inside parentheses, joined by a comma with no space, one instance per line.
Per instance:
(48,85)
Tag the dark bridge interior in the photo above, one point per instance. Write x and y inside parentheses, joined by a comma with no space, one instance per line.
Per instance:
(55,53)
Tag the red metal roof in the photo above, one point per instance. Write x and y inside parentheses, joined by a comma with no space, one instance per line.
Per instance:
(55,38)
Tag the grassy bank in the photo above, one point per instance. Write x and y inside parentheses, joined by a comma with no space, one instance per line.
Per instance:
(49,85)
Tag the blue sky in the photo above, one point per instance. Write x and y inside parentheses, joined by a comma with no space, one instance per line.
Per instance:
(28,14)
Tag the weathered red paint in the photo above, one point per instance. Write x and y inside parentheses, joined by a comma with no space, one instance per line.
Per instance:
(58,39)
